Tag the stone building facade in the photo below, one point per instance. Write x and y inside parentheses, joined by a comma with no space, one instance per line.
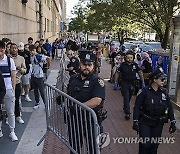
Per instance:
(36,18)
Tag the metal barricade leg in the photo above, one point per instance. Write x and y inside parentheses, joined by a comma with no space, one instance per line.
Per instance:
(40,141)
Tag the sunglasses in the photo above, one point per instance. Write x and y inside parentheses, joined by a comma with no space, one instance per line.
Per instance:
(162,79)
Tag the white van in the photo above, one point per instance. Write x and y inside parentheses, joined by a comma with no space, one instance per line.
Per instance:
(154,45)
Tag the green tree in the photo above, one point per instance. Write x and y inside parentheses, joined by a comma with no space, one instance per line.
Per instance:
(123,16)
(156,14)
(78,23)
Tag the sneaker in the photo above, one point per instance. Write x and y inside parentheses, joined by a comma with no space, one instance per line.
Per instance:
(13,136)
(23,93)
(27,99)
(7,123)
(20,120)
(36,106)
(127,116)
(1,134)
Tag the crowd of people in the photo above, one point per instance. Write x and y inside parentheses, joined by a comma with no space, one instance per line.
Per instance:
(24,67)
(133,74)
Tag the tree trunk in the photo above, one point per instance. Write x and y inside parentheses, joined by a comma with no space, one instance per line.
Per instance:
(122,37)
(119,39)
(160,35)
(165,38)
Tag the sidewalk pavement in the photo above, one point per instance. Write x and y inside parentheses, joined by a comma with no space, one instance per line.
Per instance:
(116,125)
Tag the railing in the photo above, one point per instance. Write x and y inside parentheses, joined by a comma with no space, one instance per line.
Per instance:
(63,77)
(71,121)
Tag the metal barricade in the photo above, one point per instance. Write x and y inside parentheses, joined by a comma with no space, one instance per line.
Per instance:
(63,77)
(71,121)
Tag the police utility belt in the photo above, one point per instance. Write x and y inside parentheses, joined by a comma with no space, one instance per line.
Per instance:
(154,120)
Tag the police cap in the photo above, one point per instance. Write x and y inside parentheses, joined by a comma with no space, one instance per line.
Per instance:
(157,74)
(87,57)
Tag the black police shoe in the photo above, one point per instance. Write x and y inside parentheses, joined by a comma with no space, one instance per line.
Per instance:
(127,116)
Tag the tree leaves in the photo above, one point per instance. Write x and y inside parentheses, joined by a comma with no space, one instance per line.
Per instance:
(126,15)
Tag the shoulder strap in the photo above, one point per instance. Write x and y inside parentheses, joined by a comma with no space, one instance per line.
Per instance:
(9,64)
(36,62)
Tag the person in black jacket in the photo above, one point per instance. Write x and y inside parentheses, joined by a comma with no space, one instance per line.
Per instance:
(151,110)
(127,73)
(2,94)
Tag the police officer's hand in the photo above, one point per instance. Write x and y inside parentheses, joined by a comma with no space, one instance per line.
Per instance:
(72,109)
(172,127)
(135,126)
(143,85)
(60,99)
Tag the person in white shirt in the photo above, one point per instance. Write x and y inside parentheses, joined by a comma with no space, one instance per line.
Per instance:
(8,70)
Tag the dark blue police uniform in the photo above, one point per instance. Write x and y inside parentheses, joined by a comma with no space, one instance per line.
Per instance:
(74,62)
(151,110)
(83,90)
(128,77)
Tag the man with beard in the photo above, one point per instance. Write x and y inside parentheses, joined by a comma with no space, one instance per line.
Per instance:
(89,89)
(127,72)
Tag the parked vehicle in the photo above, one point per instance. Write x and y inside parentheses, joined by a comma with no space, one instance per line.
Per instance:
(154,45)
(116,44)
(127,45)
(136,42)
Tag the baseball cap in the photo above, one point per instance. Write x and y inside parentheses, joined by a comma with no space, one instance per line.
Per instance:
(21,46)
(157,74)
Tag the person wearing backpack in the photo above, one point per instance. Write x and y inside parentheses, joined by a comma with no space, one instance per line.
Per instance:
(38,59)
(8,69)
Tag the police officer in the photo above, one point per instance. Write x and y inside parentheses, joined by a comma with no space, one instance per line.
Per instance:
(151,110)
(89,89)
(73,66)
(127,72)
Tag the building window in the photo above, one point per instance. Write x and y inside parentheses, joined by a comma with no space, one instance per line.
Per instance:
(45,24)
(48,25)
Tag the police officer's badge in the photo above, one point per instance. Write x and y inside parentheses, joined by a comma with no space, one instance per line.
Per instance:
(73,60)
(101,82)
(163,97)
(88,57)
(134,67)
(86,83)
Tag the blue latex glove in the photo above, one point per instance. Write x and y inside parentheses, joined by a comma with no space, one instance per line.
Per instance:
(115,86)
(143,85)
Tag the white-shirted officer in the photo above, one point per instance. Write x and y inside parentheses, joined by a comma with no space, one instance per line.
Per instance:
(8,70)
